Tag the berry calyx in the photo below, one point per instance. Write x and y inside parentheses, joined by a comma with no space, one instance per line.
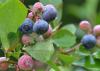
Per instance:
(25,62)
(88,41)
(26,40)
(48,33)
(96,30)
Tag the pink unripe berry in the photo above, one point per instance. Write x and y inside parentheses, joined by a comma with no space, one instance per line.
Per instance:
(38,6)
(96,30)
(85,25)
(4,64)
(98,41)
(49,32)
(30,15)
(26,40)
(25,62)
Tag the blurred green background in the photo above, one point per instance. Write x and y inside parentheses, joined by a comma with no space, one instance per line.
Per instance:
(73,11)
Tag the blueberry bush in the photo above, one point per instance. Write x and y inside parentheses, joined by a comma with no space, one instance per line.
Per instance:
(49,35)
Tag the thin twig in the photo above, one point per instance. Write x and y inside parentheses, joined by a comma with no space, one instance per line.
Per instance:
(71,49)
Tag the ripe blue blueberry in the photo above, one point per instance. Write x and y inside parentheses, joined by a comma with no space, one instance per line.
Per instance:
(40,27)
(27,26)
(88,41)
(49,13)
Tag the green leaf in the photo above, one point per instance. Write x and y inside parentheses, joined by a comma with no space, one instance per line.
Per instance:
(79,68)
(64,38)
(89,63)
(70,27)
(42,51)
(52,69)
(61,68)
(79,34)
(66,59)
(58,5)
(11,69)
(83,51)
(13,40)
(96,54)
(53,65)
(2,1)
(16,54)
(12,14)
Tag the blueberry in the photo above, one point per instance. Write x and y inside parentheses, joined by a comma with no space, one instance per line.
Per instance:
(40,27)
(88,41)
(49,13)
(27,26)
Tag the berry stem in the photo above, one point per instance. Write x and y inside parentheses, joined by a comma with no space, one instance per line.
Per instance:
(57,27)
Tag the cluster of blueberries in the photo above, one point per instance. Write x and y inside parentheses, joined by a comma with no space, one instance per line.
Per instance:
(38,19)
(93,35)
(37,22)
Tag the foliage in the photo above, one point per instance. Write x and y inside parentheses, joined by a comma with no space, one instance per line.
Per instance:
(59,52)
